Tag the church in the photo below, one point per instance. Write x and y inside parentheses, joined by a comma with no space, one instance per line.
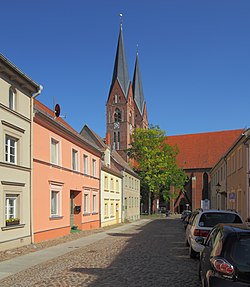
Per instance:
(126,106)
(198,153)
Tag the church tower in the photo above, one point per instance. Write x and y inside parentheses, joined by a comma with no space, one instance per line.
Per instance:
(125,107)
(141,118)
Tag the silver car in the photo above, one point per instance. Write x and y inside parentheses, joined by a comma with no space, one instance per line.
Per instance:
(202,221)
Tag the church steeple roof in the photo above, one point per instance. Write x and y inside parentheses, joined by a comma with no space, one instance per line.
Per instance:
(121,68)
(137,86)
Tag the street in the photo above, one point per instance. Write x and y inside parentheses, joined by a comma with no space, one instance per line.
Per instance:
(148,254)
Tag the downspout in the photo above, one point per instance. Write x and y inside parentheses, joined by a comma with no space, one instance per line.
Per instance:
(122,197)
(31,158)
(248,180)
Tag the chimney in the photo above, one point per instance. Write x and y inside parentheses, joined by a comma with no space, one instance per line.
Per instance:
(108,139)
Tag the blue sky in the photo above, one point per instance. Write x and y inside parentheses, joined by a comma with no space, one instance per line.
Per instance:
(194,57)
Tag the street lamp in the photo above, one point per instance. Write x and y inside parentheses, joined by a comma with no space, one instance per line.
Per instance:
(218,186)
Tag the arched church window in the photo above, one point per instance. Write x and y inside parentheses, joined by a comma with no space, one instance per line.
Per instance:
(117,116)
(130,117)
(116,98)
(205,186)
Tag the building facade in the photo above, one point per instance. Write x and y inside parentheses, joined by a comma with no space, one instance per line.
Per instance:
(111,181)
(198,153)
(66,190)
(230,183)
(120,185)
(16,109)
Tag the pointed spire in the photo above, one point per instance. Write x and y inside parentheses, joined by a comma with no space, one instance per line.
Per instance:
(137,86)
(121,68)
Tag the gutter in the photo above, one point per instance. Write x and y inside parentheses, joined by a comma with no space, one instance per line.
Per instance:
(31,158)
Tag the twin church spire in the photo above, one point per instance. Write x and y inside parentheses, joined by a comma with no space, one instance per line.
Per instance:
(126,107)
(121,74)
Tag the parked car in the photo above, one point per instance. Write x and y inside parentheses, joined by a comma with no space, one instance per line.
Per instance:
(202,221)
(184,214)
(186,220)
(225,259)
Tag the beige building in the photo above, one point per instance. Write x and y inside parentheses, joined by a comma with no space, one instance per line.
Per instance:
(130,189)
(231,178)
(16,109)
(110,183)
(120,185)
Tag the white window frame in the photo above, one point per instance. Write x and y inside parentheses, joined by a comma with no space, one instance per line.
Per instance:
(94,167)
(54,143)
(12,98)
(8,198)
(86,164)
(75,165)
(8,147)
(56,188)
(86,202)
(94,203)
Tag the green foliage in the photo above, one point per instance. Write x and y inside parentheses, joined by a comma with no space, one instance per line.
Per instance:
(156,161)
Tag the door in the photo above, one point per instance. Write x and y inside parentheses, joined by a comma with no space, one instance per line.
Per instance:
(72,196)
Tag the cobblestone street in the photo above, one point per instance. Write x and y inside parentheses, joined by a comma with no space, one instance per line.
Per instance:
(153,254)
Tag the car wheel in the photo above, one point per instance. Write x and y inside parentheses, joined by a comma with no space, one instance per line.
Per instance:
(186,243)
(192,253)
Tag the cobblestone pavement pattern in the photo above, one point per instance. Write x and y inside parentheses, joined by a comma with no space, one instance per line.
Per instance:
(149,255)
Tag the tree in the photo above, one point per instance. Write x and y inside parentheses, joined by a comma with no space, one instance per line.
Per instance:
(155,161)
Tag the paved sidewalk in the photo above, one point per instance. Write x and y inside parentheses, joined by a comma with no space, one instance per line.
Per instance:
(20,263)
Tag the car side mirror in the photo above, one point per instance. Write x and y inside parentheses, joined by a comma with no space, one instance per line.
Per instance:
(200,240)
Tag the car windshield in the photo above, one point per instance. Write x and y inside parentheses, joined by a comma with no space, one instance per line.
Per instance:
(210,219)
(240,252)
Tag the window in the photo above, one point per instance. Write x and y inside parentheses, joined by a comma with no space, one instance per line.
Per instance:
(12,98)
(86,203)
(117,186)
(10,149)
(11,206)
(85,164)
(94,167)
(118,140)
(95,209)
(74,160)
(117,116)
(112,209)
(111,184)
(240,164)
(106,209)
(106,183)
(54,156)
(55,203)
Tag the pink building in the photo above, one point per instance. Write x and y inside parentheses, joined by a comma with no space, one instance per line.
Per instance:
(66,178)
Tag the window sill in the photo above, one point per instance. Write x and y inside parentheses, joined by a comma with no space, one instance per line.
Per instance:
(56,217)
(94,213)
(12,227)
(86,214)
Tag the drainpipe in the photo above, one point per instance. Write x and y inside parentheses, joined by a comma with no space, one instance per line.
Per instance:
(122,197)
(248,179)
(31,158)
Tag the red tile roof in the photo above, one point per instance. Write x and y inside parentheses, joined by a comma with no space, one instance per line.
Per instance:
(203,150)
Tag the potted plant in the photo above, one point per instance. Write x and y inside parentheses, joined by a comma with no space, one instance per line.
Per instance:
(12,221)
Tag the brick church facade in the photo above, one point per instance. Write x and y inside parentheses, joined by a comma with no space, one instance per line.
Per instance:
(125,107)
(198,153)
